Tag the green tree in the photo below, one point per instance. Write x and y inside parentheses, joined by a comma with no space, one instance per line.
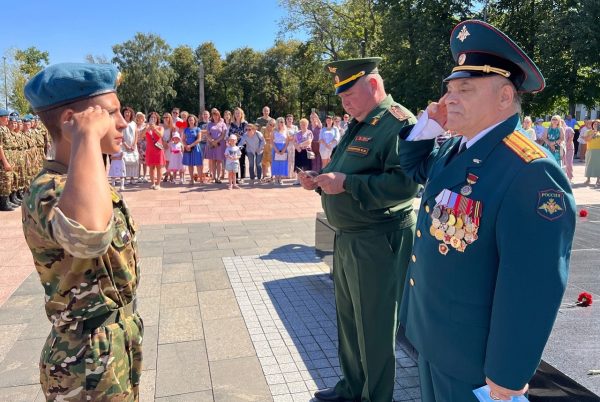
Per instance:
(338,28)
(28,62)
(417,56)
(315,85)
(184,64)
(240,80)
(147,75)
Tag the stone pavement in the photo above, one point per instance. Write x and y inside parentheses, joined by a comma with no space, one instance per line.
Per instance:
(230,293)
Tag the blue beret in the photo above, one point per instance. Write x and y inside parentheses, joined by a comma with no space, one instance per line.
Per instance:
(13,118)
(4,112)
(64,83)
(481,50)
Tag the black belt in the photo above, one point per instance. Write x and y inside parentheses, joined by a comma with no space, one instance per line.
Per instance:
(110,318)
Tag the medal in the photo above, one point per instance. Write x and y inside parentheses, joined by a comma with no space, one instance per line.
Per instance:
(459,223)
(451,219)
(436,223)
(432,230)
(443,249)
(439,234)
(451,230)
(459,234)
(466,190)
(437,212)
(444,217)
(454,242)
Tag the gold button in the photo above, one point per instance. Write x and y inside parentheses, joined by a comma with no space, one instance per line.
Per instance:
(427,208)
(412,282)
(414,258)
(418,233)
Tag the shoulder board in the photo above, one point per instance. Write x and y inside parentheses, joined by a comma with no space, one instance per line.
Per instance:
(398,112)
(523,147)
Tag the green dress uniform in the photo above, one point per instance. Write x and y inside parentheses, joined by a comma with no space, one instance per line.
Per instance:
(90,280)
(491,256)
(374,221)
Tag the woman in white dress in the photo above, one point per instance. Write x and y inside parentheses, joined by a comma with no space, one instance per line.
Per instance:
(131,157)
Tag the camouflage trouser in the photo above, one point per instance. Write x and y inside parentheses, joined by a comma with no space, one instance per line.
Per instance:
(102,366)
(5,183)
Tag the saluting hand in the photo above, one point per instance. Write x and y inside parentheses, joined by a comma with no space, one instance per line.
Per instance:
(93,122)
(438,111)
(331,183)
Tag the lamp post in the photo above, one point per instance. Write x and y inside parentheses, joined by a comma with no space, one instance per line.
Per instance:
(5,88)
(201,86)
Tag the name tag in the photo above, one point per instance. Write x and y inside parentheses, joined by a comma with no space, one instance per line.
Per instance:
(358,150)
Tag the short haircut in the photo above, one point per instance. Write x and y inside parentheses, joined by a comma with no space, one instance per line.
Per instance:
(51,117)
(251,125)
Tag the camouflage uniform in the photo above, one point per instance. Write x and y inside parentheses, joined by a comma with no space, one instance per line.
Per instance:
(5,177)
(87,276)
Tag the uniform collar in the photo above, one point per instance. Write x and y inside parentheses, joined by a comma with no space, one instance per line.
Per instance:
(55,166)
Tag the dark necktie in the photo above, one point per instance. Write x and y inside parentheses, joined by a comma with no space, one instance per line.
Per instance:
(461,149)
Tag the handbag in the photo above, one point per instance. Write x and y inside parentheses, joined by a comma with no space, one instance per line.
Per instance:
(158,143)
(310,154)
(130,157)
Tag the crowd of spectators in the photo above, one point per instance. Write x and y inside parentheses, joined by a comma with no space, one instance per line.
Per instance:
(185,149)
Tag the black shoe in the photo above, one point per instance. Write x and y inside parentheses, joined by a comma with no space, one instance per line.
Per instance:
(329,394)
(20,195)
(5,204)
(13,199)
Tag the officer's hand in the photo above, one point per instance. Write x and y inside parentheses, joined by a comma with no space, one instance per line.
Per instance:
(93,122)
(307,179)
(503,394)
(331,183)
(438,111)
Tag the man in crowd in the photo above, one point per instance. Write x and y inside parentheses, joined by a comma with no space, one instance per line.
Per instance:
(368,199)
(262,121)
(6,168)
(570,121)
(82,239)
(481,298)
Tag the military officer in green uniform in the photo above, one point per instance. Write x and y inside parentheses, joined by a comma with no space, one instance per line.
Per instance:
(82,239)
(481,297)
(368,198)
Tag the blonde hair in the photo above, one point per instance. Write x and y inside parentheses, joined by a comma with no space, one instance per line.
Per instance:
(242,114)
(303,121)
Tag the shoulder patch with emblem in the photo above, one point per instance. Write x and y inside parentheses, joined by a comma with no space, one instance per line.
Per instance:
(523,147)
(398,113)
(358,150)
(551,204)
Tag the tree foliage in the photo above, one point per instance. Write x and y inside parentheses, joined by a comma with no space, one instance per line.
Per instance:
(185,66)
(28,62)
(148,76)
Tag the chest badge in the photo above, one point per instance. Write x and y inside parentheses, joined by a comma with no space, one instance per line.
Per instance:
(358,150)
(360,138)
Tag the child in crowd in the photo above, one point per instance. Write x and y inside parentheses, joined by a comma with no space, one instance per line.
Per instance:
(232,160)
(176,161)
(117,169)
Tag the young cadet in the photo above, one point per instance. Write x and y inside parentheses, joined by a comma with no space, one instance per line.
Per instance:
(481,298)
(82,239)
(368,198)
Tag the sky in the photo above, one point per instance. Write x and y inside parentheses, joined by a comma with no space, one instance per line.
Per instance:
(71,29)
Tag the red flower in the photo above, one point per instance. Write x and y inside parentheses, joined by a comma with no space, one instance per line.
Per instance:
(583,213)
(585,299)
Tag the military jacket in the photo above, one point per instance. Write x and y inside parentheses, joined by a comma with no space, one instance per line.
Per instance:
(483,291)
(377,191)
(84,274)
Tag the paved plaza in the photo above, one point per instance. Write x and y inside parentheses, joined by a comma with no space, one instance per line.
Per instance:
(236,305)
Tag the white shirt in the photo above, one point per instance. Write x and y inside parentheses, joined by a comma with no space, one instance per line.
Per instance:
(428,129)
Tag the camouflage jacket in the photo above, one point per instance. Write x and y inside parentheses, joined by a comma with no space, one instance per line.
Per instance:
(84,273)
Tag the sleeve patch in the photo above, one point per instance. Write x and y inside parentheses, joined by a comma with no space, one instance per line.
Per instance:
(551,204)
(523,147)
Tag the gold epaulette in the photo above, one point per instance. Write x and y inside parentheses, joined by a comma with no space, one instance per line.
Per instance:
(523,147)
